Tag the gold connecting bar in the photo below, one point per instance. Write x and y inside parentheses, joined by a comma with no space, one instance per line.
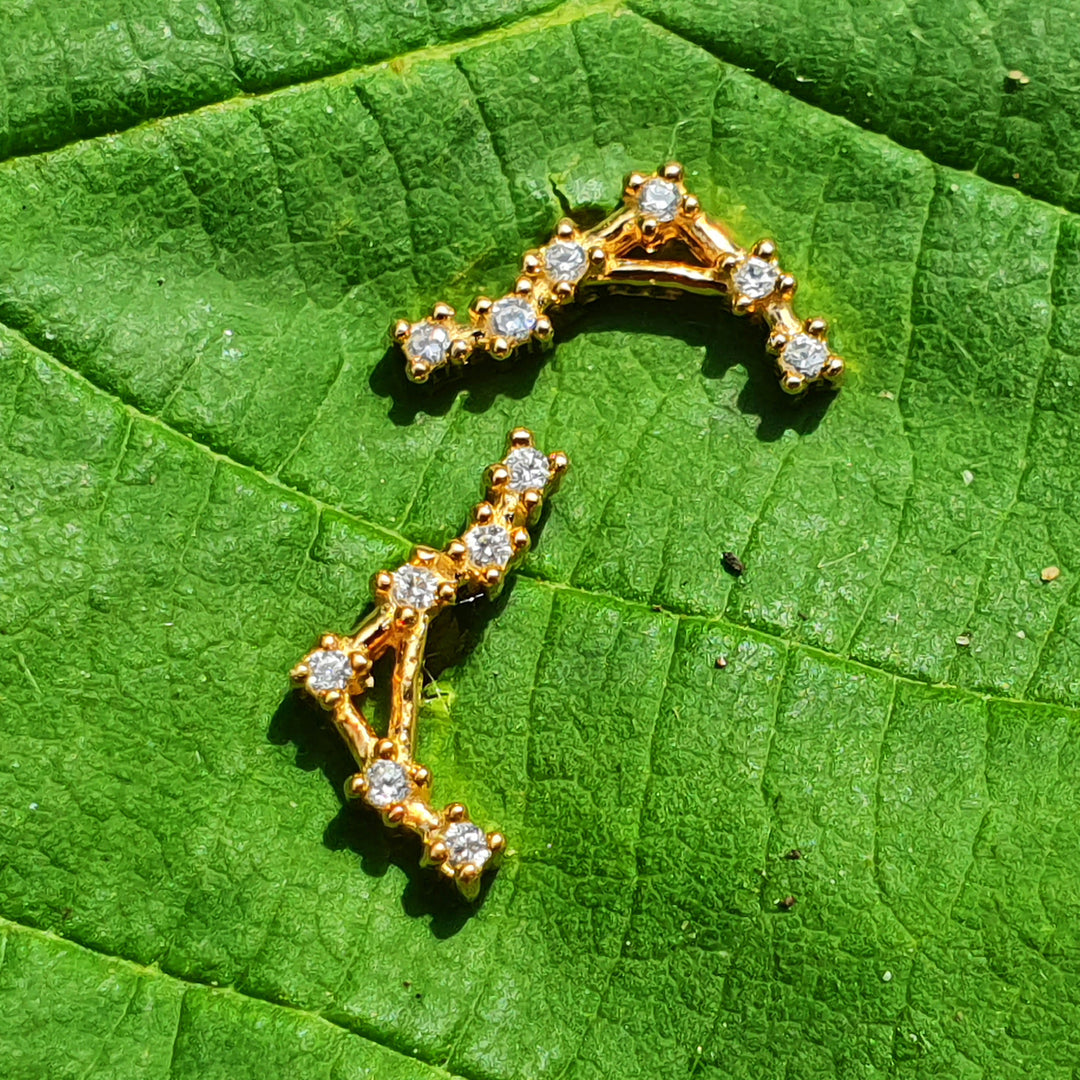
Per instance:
(337,673)
(627,250)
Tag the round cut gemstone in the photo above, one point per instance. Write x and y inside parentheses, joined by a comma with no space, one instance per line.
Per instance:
(414,587)
(564,261)
(806,354)
(756,278)
(528,468)
(513,318)
(387,783)
(330,670)
(467,844)
(489,545)
(428,342)
(659,199)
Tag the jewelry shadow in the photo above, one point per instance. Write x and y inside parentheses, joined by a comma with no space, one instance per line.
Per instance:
(358,828)
(727,341)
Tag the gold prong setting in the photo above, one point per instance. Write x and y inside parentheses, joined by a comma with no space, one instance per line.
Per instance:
(337,671)
(657,209)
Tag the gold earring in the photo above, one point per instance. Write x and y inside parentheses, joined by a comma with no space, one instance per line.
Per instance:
(338,672)
(627,250)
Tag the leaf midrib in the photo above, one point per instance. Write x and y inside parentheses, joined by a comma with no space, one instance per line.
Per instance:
(567,13)
(392,535)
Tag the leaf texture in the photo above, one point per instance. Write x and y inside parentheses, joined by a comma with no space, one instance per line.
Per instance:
(207,450)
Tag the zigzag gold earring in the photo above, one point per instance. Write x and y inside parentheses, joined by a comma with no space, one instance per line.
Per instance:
(338,672)
(627,250)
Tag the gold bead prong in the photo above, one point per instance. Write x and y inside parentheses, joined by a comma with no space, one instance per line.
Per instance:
(523,286)
(421,775)
(438,852)
(764,249)
(786,286)
(650,227)
(491,575)
(728,263)
(332,698)
(673,170)
(408,616)
(328,641)
(498,476)
(484,513)
(834,367)
(776,342)
(563,291)
(468,873)
(419,370)
(360,662)
(497,843)
(793,383)
(559,462)
(446,593)
(531,264)
(500,348)
(355,786)
(300,673)
(565,230)
(597,256)
(634,182)
(481,306)
(742,305)
(543,329)
(691,204)
(396,814)
(531,500)
(441,312)
(456,812)
(401,331)
(817,327)
(382,582)
(521,437)
(456,550)
(386,749)
(459,349)
(519,540)
(425,555)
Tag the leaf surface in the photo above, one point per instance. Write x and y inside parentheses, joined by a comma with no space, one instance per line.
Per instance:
(207,451)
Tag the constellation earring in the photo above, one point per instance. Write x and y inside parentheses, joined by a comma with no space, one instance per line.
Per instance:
(338,672)
(625,251)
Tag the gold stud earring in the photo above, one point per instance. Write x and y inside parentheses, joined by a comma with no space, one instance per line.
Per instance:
(627,250)
(338,672)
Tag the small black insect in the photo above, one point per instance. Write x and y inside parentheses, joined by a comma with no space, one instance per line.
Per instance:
(733,564)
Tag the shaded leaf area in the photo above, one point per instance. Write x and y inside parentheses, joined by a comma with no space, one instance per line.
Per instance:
(988,86)
(109,1017)
(72,71)
(207,450)
(233,273)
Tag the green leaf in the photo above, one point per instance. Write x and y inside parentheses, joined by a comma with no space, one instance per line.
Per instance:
(207,450)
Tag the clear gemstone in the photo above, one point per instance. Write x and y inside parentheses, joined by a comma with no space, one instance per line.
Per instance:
(659,199)
(387,783)
(513,318)
(414,587)
(489,545)
(528,468)
(565,262)
(428,342)
(806,354)
(756,278)
(330,670)
(467,844)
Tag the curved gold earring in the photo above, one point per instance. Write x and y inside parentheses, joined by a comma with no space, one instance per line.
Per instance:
(627,250)
(338,672)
